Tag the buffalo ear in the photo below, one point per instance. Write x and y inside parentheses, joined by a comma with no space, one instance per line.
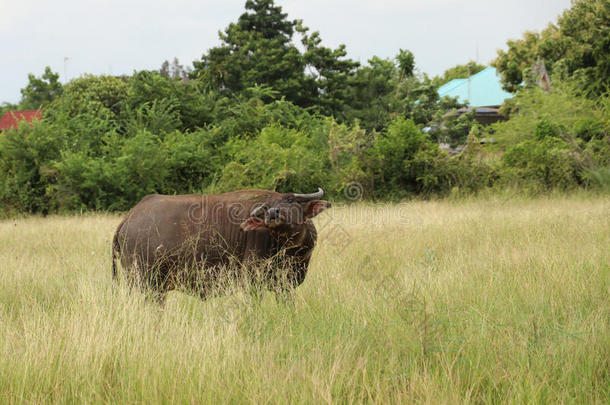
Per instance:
(314,207)
(251,224)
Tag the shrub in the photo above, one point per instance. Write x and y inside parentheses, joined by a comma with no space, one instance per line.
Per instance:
(280,158)
(545,164)
(26,156)
(552,140)
(192,161)
(409,162)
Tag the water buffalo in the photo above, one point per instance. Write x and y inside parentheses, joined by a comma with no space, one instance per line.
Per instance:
(165,242)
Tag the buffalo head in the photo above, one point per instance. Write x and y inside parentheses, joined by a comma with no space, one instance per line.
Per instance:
(286,214)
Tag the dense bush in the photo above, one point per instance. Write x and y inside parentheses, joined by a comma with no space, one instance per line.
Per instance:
(279,158)
(107,142)
(553,140)
(543,164)
(407,160)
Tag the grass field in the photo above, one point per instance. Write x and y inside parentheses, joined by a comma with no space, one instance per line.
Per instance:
(437,302)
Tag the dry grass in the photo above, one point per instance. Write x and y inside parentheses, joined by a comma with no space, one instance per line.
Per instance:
(437,302)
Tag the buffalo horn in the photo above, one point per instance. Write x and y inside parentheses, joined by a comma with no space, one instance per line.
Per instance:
(312,196)
(255,211)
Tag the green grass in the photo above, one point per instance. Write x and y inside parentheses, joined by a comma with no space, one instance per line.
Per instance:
(439,302)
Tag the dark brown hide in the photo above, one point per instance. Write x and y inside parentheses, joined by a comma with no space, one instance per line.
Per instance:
(168,240)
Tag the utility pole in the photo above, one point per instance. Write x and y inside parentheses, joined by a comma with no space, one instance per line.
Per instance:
(477,54)
(468,84)
(65,64)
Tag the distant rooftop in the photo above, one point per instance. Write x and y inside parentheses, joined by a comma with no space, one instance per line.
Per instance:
(11,119)
(480,90)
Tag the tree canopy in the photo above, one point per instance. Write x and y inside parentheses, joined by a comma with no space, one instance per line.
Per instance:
(576,48)
(40,91)
(259,49)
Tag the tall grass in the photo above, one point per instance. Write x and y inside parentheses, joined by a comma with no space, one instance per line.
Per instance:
(440,302)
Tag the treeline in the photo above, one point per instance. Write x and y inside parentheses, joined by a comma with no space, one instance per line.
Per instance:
(257,112)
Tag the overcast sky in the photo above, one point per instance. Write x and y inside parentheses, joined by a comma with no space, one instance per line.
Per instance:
(120,36)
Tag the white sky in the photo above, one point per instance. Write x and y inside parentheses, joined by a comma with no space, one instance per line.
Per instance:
(118,37)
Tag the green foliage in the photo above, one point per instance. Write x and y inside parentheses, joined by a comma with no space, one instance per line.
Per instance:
(26,154)
(406,62)
(99,95)
(588,129)
(40,91)
(107,142)
(279,159)
(454,130)
(545,129)
(407,160)
(191,103)
(553,140)
(258,50)
(598,153)
(470,171)
(600,178)
(328,74)
(257,112)
(371,90)
(543,163)
(191,161)
(351,158)
(562,108)
(575,48)
(386,89)
(255,50)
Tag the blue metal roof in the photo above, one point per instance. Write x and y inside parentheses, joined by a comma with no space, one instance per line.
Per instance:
(480,90)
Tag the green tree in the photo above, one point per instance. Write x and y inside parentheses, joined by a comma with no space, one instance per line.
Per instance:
(371,92)
(255,50)
(386,89)
(258,50)
(577,48)
(328,74)
(92,94)
(382,90)
(40,91)
(406,66)
(193,103)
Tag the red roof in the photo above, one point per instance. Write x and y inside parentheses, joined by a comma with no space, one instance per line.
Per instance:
(11,119)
